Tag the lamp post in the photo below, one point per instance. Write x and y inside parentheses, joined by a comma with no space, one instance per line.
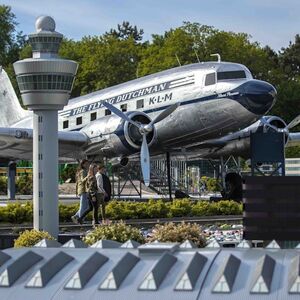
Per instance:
(45,82)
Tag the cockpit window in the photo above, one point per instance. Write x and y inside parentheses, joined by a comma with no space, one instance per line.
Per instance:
(210,79)
(231,75)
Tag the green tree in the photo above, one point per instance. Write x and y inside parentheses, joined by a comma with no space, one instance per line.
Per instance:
(289,59)
(173,48)
(292,152)
(126,31)
(193,40)
(103,61)
(233,47)
(288,103)
(11,42)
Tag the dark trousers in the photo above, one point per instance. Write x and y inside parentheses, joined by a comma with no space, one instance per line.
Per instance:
(94,203)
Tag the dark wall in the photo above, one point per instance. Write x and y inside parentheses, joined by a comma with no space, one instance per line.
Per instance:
(271,208)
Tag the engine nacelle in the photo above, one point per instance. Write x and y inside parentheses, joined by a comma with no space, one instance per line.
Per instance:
(238,143)
(111,136)
(274,121)
(119,161)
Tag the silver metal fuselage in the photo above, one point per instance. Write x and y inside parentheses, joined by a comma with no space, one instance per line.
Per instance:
(205,111)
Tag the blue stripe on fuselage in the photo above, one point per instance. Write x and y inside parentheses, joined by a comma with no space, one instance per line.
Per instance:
(258,102)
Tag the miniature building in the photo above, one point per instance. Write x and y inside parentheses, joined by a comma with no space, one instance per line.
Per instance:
(111,270)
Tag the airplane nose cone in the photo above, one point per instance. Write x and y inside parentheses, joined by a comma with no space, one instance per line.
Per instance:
(257,96)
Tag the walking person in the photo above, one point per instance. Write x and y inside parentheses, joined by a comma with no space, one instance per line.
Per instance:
(81,177)
(104,189)
(93,196)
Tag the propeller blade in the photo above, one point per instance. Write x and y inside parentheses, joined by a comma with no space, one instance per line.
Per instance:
(145,161)
(268,124)
(164,114)
(120,113)
(294,123)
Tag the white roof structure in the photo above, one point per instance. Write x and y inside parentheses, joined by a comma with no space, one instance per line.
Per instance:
(111,270)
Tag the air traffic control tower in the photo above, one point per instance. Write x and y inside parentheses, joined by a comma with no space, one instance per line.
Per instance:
(45,82)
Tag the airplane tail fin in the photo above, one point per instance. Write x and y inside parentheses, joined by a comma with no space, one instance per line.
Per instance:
(10,108)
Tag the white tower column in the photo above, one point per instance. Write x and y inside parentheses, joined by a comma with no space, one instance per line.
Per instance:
(45,171)
(45,83)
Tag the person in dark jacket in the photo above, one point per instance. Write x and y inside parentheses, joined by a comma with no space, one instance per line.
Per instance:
(104,188)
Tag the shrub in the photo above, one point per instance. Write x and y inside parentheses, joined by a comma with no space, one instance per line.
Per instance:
(225,227)
(212,184)
(180,208)
(31,237)
(229,207)
(3,185)
(201,208)
(156,209)
(17,213)
(213,209)
(141,210)
(67,211)
(24,184)
(118,210)
(171,232)
(119,232)
(68,171)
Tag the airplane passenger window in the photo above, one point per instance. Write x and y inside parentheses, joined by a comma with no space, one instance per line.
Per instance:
(79,121)
(140,103)
(123,107)
(65,124)
(210,79)
(93,116)
(107,112)
(231,75)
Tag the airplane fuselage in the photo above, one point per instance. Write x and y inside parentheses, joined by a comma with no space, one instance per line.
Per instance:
(215,99)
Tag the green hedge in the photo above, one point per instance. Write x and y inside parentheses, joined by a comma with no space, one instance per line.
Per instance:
(120,210)
(23,185)
(212,184)
(3,185)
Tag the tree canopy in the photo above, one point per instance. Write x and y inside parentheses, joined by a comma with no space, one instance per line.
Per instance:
(126,31)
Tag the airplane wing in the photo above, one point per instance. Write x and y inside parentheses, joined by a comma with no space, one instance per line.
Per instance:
(16,144)
(215,143)
(238,143)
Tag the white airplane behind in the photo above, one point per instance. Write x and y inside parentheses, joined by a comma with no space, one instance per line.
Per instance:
(204,108)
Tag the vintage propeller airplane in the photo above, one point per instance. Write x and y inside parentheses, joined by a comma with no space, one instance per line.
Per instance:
(207,109)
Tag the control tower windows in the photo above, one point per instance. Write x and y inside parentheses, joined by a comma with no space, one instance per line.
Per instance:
(140,104)
(210,79)
(107,112)
(65,124)
(45,82)
(123,107)
(93,116)
(45,43)
(79,121)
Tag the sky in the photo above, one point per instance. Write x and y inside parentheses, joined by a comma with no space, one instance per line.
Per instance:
(269,22)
